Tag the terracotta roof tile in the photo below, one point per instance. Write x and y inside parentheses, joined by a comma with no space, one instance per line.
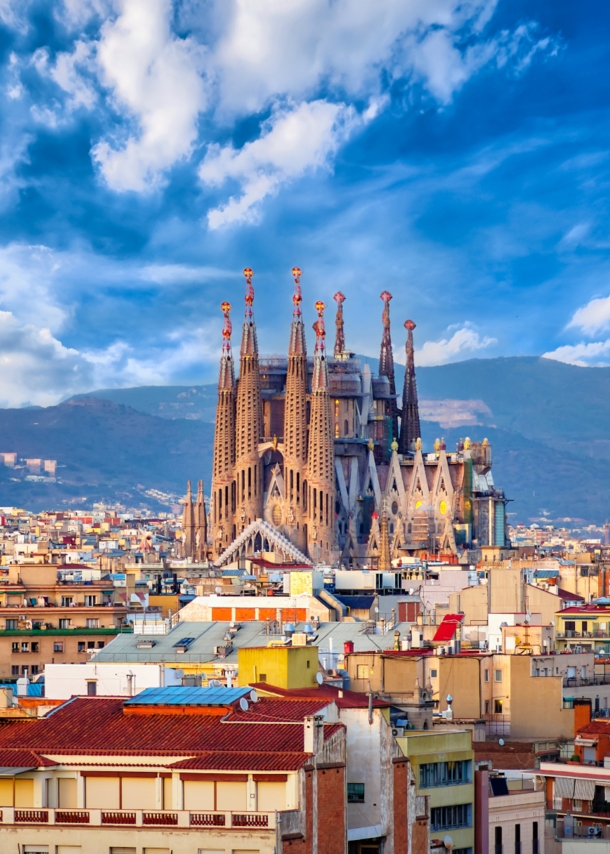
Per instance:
(243,761)
(97,726)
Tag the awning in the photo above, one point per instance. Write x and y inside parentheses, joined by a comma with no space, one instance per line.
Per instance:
(564,787)
(585,742)
(584,790)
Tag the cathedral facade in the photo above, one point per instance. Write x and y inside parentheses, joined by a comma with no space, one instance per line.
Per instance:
(321,458)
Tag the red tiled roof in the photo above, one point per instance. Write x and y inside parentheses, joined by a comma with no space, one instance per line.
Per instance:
(569,596)
(322,694)
(276,709)
(243,761)
(601,610)
(598,726)
(97,726)
(447,629)
(23,759)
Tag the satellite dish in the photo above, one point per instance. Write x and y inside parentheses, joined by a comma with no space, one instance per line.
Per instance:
(448,842)
(253,697)
(243,704)
(215,683)
(319,678)
(501,742)
(376,609)
(218,590)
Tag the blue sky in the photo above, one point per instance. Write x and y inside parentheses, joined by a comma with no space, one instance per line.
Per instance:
(455,153)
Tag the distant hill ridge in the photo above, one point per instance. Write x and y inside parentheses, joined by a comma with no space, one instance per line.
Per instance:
(547,422)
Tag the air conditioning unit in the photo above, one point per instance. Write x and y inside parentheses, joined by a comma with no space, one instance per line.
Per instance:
(398,731)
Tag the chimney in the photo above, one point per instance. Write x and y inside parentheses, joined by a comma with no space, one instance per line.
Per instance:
(313,733)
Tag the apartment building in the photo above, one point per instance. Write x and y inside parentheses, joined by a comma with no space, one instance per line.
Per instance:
(443,768)
(177,769)
(45,620)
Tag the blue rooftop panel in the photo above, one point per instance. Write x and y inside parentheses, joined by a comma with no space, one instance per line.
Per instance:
(179,695)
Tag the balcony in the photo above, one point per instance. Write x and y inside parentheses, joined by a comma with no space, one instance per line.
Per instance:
(146,818)
(583,681)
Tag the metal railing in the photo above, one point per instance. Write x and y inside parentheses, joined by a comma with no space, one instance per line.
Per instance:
(143,818)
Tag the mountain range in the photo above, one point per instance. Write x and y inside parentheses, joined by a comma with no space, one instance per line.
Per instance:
(548,423)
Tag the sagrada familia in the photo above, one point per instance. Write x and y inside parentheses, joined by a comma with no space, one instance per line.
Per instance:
(321,461)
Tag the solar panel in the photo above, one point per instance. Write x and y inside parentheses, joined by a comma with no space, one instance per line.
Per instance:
(179,695)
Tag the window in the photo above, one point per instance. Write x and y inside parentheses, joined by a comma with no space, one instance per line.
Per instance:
(486,707)
(25,646)
(14,670)
(24,670)
(81,646)
(15,647)
(58,646)
(92,623)
(66,601)
(263,677)
(535,843)
(362,671)
(445,818)
(433,674)
(90,601)
(497,707)
(486,672)
(517,839)
(35,646)
(64,624)
(355,793)
(498,676)
(100,644)
(462,851)
(91,688)
(90,644)
(11,625)
(433,774)
(34,669)
(498,840)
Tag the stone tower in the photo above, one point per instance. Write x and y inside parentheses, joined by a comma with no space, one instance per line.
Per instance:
(410,429)
(320,457)
(223,486)
(295,425)
(248,422)
(340,332)
(386,364)
(188,525)
(201,525)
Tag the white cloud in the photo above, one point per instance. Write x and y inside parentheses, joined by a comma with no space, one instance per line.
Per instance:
(593,354)
(593,317)
(35,366)
(463,341)
(292,142)
(29,277)
(155,78)
(67,72)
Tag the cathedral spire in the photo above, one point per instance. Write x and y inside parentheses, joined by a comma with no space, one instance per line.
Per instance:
(201,525)
(384,563)
(188,523)
(386,363)
(248,418)
(410,430)
(340,333)
(320,457)
(295,423)
(224,443)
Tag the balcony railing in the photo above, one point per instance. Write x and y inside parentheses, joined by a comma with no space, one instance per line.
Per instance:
(142,818)
(579,681)
(595,633)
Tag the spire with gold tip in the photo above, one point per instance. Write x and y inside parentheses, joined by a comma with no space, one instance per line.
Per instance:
(339,298)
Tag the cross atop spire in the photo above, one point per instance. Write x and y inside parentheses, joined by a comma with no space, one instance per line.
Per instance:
(249,298)
(249,344)
(226,380)
(297,299)
(320,330)
(339,298)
